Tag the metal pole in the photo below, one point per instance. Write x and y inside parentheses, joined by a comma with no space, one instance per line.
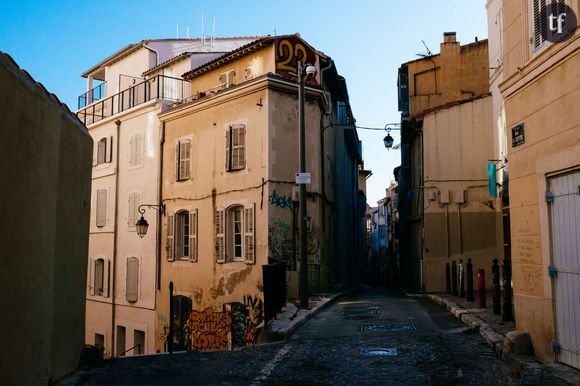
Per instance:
(170,337)
(495,288)
(470,296)
(302,203)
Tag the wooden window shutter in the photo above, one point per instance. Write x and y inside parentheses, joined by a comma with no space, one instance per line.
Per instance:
(249,235)
(132,280)
(110,149)
(139,149)
(101,151)
(170,246)
(177,148)
(193,235)
(91,280)
(184,159)
(131,210)
(220,244)
(106,277)
(132,151)
(101,207)
(242,147)
(228,149)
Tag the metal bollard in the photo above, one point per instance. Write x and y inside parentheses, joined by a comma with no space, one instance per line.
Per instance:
(469,276)
(448,278)
(453,278)
(495,290)
(461,279)
(481,287)
(507,291)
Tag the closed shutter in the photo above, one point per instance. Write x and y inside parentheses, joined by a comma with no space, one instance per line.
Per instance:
(134,200)
(106,277)
(228,149)
(138,149)
(177,148)
(132,282)
(242,147)
(132,151)
(193,235)
(220,247)
(101,207)
(102,151)
(170,246)
(184,159)
(249,235)
(110,150)
(91,278)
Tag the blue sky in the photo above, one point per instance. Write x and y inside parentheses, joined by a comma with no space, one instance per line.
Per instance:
(55,41)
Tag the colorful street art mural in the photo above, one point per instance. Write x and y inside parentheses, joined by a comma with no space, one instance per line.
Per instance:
(224,328)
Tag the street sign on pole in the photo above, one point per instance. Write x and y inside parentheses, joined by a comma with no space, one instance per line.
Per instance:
(302,178)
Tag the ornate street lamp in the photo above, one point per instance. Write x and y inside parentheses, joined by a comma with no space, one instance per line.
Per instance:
(142,225)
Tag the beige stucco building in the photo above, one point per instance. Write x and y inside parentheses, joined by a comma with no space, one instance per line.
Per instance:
(230,158)
(541,89)
(121,113)
(199,134)
(45,174)
(445,212)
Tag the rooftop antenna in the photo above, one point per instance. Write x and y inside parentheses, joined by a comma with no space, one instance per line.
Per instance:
(213,33)
(187,32)
(202,31)
(428,50)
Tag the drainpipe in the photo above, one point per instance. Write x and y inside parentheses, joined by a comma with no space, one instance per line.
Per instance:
(160,212)
(460,237)
(115,236)
(154,51)
(322,152)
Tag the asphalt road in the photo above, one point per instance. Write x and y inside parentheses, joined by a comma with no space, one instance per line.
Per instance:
(373,337)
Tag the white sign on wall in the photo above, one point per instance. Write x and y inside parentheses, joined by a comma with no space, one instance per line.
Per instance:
(302,178)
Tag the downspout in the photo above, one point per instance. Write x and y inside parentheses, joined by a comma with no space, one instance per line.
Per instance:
(322,156)
(154,51)
(460,237)
(160,212)
(115,235)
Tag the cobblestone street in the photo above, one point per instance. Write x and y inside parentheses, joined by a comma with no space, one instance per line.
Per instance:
(374,337)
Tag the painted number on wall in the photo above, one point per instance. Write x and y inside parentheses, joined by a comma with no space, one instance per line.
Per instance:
(288,52)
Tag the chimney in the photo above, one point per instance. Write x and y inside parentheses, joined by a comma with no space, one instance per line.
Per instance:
(449,37)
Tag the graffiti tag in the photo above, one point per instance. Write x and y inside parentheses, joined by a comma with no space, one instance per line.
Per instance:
(282,202)
(209,330)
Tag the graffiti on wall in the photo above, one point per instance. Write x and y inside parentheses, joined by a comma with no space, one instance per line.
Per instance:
(234,325)
(289,51)
(280,242)
(281,201)
(209,330)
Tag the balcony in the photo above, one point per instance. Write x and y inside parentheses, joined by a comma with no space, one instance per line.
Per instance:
(158,87)
(92,96)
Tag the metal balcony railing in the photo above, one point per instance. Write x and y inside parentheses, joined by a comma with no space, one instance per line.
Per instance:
(158,87)
(92,96)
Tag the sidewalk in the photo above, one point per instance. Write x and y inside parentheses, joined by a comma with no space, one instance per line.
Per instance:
(293,317)
(494,331)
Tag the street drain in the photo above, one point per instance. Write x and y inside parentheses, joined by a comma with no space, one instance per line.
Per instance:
(388,327)
(387,352)
(372,311)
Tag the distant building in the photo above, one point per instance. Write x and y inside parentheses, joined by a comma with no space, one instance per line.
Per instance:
(45,174)
(540,90)
(445,211)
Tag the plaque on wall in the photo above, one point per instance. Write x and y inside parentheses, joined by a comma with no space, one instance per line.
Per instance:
(518,137)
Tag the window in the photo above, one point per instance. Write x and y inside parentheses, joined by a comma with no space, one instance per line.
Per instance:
(540,21)
(235,234)
(136,150)
(183,159)
(99,340)
(104,150)
(138,342)
(236,147)
(121,331)
(248,73)
(227,79)
(132,282)
(101,217)
(132,209)
(182,236)
(99,277)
